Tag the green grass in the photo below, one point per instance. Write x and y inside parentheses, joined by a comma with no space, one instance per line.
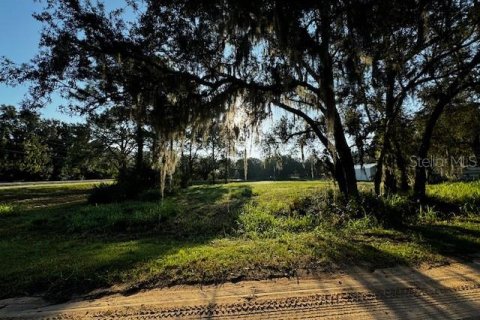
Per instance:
(42,195)
(52,245)
(456,191)
(5,209)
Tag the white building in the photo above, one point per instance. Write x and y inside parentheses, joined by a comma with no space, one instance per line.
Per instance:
(365,172)
(471,173)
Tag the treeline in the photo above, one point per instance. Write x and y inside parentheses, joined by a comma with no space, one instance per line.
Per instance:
(285,167)
(33,149)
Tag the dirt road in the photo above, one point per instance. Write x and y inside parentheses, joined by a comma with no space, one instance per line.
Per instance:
(449,292)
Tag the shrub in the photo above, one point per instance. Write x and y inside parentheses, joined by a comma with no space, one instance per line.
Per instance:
(427,214)
(328,207)
(391,210)
(105,193)
(333,210)
(240,193)
(131,185)
(470,207)
(255,222)
(150,195)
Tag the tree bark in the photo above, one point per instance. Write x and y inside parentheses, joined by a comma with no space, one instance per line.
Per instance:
(213,161)
(385,175)
(139,135)
(140,141)
(340,151)
(402,166)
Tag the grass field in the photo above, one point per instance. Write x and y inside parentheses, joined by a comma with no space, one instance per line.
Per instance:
(53,243)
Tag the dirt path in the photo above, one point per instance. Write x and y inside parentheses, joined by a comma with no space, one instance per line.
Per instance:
(450,292)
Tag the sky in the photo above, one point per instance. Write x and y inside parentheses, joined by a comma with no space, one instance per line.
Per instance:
(19,38)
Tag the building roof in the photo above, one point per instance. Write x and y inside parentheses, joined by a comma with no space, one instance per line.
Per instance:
(365,166)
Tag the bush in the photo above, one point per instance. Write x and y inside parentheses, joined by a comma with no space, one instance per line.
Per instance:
(329,208)
(390,211)
(427,214)
(240,193)
(131,185)
(107,193)
(325,210)
(145,177)
(150,195)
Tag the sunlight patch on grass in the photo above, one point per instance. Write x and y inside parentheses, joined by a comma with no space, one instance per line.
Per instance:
(455,191)
(6,209)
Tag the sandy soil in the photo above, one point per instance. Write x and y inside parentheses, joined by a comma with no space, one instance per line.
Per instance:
(448,292)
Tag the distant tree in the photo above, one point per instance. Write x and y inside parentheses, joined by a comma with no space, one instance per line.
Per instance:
(115,131)
(192,145)
(36,149)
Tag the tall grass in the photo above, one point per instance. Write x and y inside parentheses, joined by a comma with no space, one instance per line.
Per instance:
(465,195)
(456,191)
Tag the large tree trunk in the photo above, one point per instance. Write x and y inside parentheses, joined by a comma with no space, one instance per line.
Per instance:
(476,148)
(139,135)
(227,158)
(340,151)
(338,173)
(422,161)
(402,166)
(345,164)
(385,182)
(190,163)
(245,164)
(140,141)
(187,161)
(213,161)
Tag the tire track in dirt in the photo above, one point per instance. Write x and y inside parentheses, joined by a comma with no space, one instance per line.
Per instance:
(451,292)
(345,303)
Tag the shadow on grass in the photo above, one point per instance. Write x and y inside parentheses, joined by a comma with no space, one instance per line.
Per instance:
(450,240)
(32,194)
(75,249)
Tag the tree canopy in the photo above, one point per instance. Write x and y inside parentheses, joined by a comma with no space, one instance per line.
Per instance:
(367,79)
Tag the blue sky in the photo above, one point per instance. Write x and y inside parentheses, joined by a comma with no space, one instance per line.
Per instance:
(19,37)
